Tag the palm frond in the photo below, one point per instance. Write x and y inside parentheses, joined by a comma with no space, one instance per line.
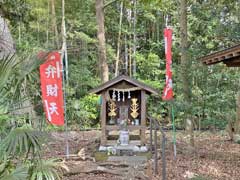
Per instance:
(48,169)
(8,171)
(15,72)
(7,65)
(21,141)
(20,173)
(23,71)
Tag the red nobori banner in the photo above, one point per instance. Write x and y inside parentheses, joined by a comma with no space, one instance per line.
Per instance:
(168,89)
(51,86)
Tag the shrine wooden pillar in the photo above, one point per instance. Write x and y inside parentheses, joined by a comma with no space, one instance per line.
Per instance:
(143,118)
(103,119)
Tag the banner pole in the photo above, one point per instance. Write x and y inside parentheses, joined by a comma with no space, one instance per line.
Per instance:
(65,75)
(65,103)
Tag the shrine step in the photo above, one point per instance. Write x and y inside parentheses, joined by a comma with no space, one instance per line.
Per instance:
(124,150)
(132,160)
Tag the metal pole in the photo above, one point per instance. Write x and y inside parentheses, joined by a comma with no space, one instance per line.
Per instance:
(151,145)
(163,152)
(65,74)
(163,157)
(174,132)
(155,151)
(65,111)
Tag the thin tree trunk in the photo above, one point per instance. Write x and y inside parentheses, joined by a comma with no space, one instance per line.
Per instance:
(126,53)
(134,38)
(54,24)
(38,31)
(158,26)
(130,61)
(185,66)
(47,28)
(102,44)
(19,33)
(129,18)
(119,40)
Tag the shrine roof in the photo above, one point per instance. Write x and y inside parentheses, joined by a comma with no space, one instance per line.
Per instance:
(119,79)
(229,56)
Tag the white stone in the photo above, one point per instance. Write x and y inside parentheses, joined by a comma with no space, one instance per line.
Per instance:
(102,148)
(136,149)
(143,149)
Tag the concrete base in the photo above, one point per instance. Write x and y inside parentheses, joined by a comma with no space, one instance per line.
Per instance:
(123,150)
(133,160)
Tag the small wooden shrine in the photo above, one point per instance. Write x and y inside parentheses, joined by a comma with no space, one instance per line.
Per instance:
(123,106)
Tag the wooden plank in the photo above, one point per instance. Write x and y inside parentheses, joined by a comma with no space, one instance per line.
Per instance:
(103,119)
(143,117)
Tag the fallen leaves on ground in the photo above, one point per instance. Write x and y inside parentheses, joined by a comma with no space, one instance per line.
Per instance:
(213,158)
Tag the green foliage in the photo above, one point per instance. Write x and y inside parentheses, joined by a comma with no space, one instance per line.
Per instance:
(83,37)
(4,118)
(149,66)
(6,68)
(21,141)
(47,169)
(9,173)
(15,72)
(84,111)
(209,29)
(25,143)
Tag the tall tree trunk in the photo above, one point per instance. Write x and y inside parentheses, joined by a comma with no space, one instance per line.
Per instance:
(6,40)
(185,68)
(126,53)
(119,40)
(101,39)
(64,41)
(47,28)
(54,24)
(129,18)
(134,38)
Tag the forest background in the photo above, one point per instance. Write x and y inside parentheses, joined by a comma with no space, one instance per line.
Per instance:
(134,37)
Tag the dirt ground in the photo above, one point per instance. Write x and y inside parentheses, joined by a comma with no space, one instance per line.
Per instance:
(214,158)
